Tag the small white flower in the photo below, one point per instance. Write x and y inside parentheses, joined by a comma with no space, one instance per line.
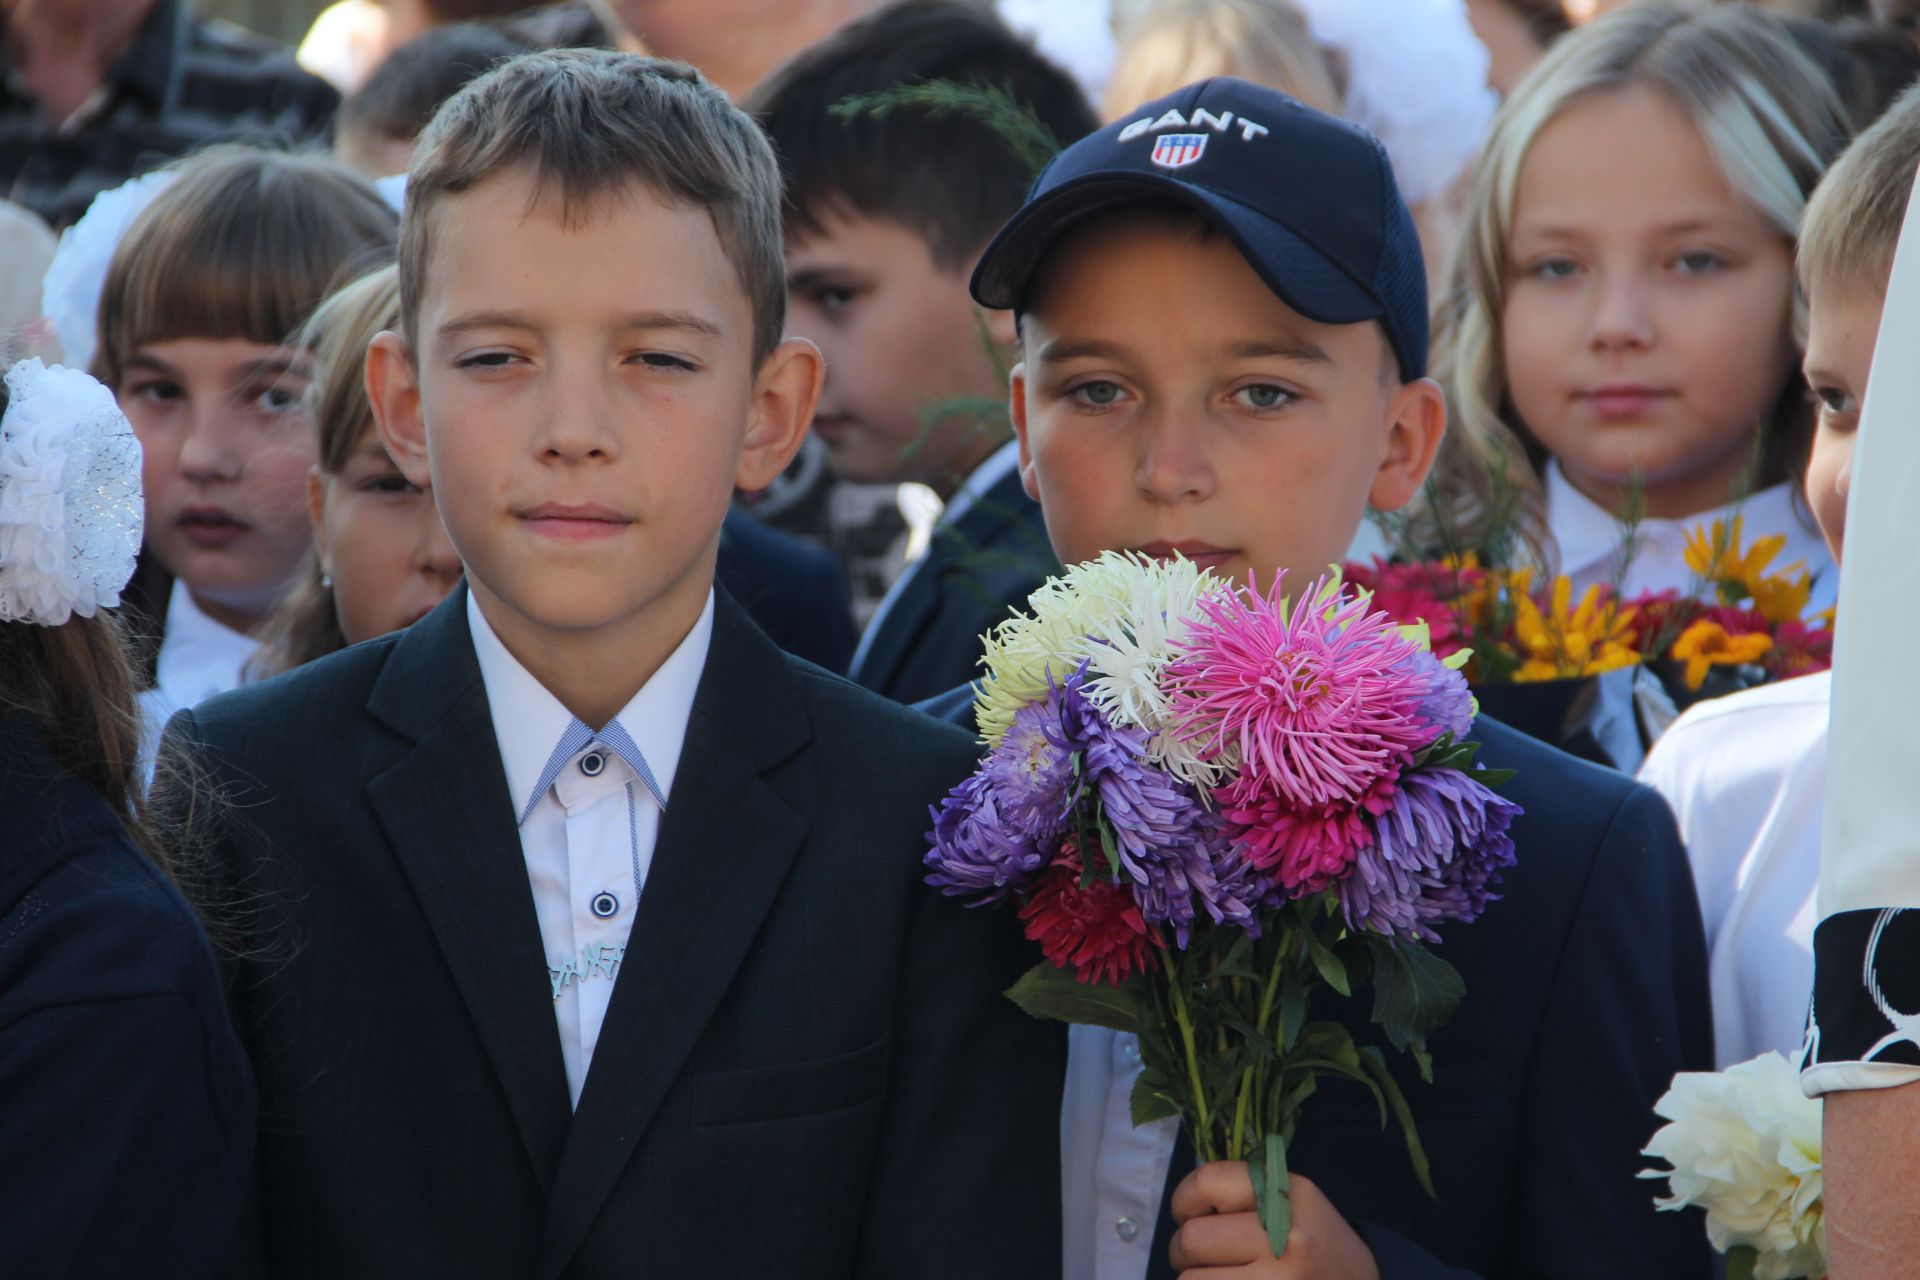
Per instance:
(1744,1144)
(70,503)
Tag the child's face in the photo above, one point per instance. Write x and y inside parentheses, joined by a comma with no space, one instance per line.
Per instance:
(1171,402)
(583,402)
(900,334)
(1648,322)
(1842,326)
(381,541)
(225,454)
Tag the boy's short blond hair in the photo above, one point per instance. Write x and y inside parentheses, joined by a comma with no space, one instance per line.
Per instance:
(589,124)
(1852,223)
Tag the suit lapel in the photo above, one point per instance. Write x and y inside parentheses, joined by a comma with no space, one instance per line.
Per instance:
(445,807)
(903,622)
(724,850)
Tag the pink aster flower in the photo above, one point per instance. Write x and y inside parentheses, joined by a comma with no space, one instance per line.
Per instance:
(1319,702)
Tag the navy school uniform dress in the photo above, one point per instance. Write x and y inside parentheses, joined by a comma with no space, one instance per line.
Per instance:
(925,638)
(1586,991)
(806,1069)
(126,1105)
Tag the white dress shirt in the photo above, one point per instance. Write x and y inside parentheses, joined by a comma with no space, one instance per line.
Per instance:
(999,464)
(1111,1174)
(1591,541)
(590,806)
(1746,776)
(198,658)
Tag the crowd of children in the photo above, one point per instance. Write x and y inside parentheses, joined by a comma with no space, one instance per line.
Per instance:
(405,566)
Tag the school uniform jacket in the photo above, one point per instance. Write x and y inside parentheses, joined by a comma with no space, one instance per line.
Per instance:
(807,1069)
(1586,990)
(126,1108)
(987,561)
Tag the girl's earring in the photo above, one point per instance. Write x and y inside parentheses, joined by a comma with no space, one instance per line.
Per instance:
(326,580)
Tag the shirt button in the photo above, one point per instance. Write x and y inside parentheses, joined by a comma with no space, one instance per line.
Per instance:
(593,764)
(604,905)
(1133,1052)
(1127,1229)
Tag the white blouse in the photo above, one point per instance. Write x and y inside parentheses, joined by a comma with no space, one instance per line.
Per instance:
(1746,776)
(1592,541)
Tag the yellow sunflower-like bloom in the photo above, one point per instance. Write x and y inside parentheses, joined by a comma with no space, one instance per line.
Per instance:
(1737,572)
(1706,644)
(1781,598)
(1567,640)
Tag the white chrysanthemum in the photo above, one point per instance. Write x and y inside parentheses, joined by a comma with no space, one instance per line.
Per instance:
(1744,1144)
(1118,613)
(70,291)
(70,501)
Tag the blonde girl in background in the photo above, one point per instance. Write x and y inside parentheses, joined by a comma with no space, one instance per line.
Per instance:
(381,558)
(1618,335)
(201,296)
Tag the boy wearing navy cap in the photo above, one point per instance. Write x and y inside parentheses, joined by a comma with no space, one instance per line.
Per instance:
(1223,319)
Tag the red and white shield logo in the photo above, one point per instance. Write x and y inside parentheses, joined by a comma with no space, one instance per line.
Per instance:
(1178,150)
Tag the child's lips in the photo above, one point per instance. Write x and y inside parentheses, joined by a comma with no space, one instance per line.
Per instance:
(574,522)
(210,527)
(1624,400)
(1204,554)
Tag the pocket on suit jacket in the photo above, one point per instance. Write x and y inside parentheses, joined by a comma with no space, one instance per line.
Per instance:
(792,1089)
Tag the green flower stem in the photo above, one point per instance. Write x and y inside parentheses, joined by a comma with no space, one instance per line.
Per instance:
(1203,1136)
(1253,1080)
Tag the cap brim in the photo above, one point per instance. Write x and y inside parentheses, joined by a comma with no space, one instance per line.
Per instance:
(1303,277)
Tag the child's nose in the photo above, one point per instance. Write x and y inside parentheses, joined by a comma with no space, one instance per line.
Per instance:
(211,449)
(576,418)
(1622,319)
(1173,465)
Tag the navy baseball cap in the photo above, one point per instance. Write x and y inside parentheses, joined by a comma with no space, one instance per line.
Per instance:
(1309,199)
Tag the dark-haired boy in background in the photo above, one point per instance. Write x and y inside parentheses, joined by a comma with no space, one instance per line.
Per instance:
(886,214)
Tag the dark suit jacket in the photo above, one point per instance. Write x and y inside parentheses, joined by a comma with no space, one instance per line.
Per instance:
(807,1069)
(126,1108)
(975,570)
(1586,991)
(795,591)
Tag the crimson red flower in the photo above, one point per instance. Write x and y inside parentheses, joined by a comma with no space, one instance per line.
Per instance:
(1097,931)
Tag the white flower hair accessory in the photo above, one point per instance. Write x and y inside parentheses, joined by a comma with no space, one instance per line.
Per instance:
(1416,80)
(70,291)
(1744,1144)
(70,500)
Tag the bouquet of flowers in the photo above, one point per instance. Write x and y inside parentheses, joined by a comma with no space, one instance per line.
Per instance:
(1744,1144)
(1742,615)
(1205,802)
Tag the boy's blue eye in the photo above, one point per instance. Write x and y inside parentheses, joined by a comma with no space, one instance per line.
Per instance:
(394,483)
(486,360)
(1265,395)
(1833,401)
(1096,395)
(661,360)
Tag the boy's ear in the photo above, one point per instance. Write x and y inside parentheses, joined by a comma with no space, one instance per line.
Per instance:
(1017,411)
(1002,328)
(393,390)
(784,393)
(317,514)
(1416,423)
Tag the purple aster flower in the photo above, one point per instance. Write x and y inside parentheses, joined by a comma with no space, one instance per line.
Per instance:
(1438,853)
(974,852)
(1445,701)
(1031,773)
(1174,851)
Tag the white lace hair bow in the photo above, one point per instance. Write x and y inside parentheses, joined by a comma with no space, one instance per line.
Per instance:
(1416,80)
(70,501)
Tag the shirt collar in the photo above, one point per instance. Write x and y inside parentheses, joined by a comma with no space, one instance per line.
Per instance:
(997,466)
(199,656)
(528,721)
(1588,534)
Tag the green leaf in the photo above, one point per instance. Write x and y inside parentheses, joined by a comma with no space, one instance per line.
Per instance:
(1109,848)
(1741,1261)
(1332,971)
(1149,1102)
(1046,992)
(1376,1063)
(1017,124)
(1293,1012)
(1414,991)
(1268,1169)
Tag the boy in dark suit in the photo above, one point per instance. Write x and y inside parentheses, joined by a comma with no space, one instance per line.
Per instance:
(447,845)
(886,215)
(1223,317)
